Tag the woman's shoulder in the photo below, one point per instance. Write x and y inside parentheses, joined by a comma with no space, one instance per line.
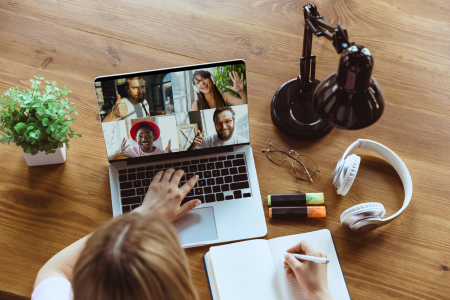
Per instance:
(55,287)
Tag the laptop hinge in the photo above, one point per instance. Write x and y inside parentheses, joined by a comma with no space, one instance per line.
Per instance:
(176,155)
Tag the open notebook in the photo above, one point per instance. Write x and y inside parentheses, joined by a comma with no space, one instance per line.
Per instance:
(254,269)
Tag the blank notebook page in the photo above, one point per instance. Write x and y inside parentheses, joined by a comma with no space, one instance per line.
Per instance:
(245,271)
(322,240)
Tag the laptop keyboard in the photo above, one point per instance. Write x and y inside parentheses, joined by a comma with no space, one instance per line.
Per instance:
(221,178)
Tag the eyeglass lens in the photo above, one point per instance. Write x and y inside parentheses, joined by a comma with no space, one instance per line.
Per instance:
(301,163)
(277,150)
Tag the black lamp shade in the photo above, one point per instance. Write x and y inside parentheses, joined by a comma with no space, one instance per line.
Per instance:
(350,98)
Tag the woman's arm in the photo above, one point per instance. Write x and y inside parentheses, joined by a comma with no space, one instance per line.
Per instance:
(230,99)
(61,265)
(194,106)
(238,87)
(163,197)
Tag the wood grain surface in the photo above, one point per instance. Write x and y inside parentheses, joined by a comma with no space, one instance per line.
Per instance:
(44,209)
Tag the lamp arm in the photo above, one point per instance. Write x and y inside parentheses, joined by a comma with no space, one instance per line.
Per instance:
(319,26)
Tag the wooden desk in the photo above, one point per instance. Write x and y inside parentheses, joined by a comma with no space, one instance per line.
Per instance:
(44,209)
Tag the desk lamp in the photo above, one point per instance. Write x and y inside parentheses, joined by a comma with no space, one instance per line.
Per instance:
(350,98)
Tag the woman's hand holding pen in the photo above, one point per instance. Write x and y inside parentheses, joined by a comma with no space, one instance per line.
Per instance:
(311,276)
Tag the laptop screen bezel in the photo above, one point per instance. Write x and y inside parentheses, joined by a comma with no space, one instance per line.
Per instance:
(180,154)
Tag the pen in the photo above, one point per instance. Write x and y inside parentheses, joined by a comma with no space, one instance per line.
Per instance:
(319,260)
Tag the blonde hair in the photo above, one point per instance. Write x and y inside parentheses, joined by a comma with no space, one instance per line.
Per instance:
(133,257)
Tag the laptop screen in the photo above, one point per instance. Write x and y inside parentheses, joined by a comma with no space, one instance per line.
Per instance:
(173,110)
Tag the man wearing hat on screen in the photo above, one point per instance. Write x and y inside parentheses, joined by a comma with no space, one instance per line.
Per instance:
(144,133)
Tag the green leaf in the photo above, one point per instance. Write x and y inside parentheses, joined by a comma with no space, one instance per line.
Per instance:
(20,127)
(30,127)
(39,124)
(40,110)
(45,121)
(31,120)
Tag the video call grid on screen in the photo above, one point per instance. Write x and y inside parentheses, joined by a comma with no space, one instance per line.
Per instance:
(172,102)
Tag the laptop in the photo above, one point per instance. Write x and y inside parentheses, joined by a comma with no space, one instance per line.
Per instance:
(160,119)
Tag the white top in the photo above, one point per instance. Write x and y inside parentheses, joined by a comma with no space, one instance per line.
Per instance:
(53,288)
(213,141)
(135,111)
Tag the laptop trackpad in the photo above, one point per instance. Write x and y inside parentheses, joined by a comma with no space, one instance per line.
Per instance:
(197,226)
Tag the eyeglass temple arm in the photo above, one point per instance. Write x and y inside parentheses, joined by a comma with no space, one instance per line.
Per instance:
(306,169)
(319,26)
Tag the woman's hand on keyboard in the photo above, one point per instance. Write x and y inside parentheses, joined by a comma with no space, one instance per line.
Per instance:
(164,196)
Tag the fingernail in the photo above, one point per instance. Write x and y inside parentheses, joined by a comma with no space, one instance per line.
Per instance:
(198,202)
(197,176)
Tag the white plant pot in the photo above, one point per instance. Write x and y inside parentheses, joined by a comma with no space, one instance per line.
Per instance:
(41,158)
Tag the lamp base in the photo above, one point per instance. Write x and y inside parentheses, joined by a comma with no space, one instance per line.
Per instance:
(293,113)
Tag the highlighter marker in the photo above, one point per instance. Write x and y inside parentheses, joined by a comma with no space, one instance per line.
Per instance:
(298,212)
(289,200)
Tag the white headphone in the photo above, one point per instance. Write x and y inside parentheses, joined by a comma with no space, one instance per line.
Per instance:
(367,216)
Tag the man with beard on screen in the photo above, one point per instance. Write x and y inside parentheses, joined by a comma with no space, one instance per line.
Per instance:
(135,106)
(224,122)
(144,133)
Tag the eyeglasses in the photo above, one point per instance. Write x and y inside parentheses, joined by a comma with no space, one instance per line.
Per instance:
(304,167)
(227,122)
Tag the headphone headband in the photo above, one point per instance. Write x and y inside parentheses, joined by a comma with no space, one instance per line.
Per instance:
(394,160)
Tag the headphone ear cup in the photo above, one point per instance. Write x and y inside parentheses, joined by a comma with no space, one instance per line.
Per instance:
(352,165)
(371,209)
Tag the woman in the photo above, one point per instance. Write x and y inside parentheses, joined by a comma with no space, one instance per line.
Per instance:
(209,96)
(137,255)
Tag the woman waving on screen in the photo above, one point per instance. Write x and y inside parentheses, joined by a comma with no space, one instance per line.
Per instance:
(209,96)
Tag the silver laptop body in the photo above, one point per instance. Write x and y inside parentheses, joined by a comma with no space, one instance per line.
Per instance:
(241,217)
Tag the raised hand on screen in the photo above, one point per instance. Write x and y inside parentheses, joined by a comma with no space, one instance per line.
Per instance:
(168,146)
(199,138)
(123,147)
(238,83)
(120,109)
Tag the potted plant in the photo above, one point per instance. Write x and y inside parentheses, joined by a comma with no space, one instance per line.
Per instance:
(39,121)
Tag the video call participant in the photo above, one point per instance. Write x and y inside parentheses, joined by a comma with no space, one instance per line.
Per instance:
(144,133)
(132,107)
(209,96)
(224,122)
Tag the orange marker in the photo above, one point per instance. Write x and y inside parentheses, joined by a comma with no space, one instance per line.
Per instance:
(298,212)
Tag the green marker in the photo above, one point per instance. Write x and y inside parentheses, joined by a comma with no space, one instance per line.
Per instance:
(288,200)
